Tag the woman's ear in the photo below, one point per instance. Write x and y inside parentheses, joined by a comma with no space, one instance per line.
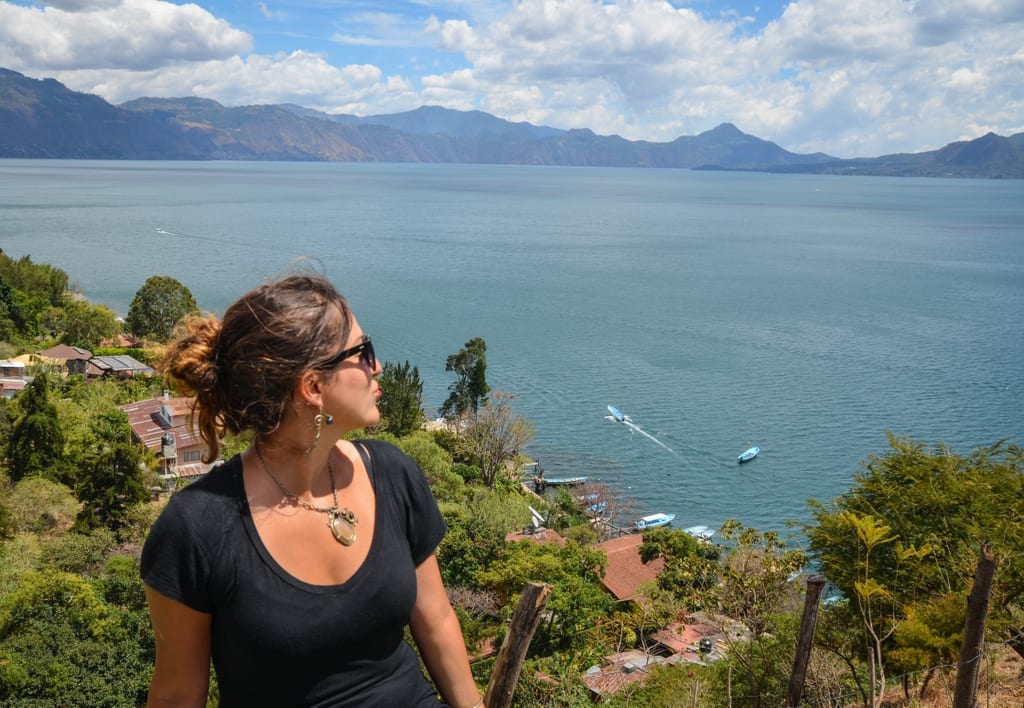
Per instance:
(310,389)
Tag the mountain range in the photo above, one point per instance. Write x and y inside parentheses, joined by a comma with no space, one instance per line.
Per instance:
(45,119)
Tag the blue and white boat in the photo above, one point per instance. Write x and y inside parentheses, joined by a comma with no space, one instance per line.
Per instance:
(652,521)
(702,533)
(749,454)
(616,414)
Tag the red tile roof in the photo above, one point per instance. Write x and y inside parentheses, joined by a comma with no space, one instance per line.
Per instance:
(625,571)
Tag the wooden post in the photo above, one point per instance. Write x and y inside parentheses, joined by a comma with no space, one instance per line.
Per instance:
(517,641)
(815,583)
(965,694)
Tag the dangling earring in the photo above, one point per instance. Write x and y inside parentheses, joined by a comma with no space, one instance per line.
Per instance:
(318,420)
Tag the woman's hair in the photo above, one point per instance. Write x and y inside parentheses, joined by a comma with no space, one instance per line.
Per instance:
(243,369)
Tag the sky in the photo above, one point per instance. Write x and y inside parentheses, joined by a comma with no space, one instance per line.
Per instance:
(851,78)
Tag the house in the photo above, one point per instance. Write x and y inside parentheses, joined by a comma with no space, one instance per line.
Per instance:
(694,639)
(621,670)
(625,571)
(12,377)
(71,360)
(122,366)
(161,424)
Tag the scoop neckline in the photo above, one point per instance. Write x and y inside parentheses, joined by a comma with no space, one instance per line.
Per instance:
(277,568)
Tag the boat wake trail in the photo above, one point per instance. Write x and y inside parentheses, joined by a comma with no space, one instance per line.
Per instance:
(637,428)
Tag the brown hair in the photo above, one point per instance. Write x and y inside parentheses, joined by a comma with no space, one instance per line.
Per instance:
(243,369)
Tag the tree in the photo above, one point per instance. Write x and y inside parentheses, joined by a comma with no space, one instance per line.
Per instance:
(493,435)
(401,400)
(908,531)
(469,390)
(158,306)
(37,442)
(62,644)
(82,324)
(109,484)
(755,591)
(41,506)
(578,601)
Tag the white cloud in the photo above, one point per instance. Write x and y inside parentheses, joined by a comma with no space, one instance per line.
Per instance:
(138,35)
(847,78)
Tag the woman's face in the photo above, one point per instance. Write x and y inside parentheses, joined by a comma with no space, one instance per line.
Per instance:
(351,390)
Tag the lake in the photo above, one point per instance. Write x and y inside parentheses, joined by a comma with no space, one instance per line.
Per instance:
(807,315)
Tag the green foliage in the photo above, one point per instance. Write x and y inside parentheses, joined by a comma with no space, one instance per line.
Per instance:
(18,556)
(122,583)
(81,553)
(400,404)
(577,600)
(6,520)
(62,644)
(82,324)
(931,634)
(158,306)
(27,291)
(435,462)
(469,390)
(37,440)
(476,532)
(691,568)
(41,506)
(754,577)
(109,483)
(909,531)
(684,684)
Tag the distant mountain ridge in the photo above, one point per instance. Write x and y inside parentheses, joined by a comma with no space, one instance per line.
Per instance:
(44,119)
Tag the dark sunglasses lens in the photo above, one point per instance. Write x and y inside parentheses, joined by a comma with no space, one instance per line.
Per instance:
(368,357)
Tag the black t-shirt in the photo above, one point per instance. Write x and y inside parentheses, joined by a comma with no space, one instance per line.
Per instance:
(278,641)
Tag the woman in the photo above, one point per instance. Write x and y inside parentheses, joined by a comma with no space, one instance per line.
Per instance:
(297,565)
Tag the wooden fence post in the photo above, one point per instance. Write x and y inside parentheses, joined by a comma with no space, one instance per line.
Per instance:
(965,694)
(517,641)
(808,623)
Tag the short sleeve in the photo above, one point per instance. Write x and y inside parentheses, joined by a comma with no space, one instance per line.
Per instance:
(172,562)
(424,526)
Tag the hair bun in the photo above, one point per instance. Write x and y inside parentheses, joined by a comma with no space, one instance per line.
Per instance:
(192,358)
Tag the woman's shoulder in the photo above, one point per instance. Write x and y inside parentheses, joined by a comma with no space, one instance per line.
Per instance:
(221,486)
(389,464)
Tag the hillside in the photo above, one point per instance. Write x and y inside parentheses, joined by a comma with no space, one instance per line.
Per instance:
(44,119)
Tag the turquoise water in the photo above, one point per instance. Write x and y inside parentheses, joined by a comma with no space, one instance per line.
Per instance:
(804,314)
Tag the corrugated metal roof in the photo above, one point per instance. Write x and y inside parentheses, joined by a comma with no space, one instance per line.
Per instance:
(144,417)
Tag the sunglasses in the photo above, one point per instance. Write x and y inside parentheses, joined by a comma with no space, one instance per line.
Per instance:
(365,351)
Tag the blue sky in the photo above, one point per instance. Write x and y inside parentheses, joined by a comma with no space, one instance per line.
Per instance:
(851,79)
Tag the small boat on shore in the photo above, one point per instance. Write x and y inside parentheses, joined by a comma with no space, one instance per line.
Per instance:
(748,455)
(540,483)
(652,521)
(567,481)
(702,533)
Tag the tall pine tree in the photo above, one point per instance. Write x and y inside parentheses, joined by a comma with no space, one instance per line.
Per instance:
(37,442)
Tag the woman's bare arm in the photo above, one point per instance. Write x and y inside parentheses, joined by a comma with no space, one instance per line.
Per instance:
(439,638)
(183,639)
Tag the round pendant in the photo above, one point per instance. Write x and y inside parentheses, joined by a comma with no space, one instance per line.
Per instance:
(344,531)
